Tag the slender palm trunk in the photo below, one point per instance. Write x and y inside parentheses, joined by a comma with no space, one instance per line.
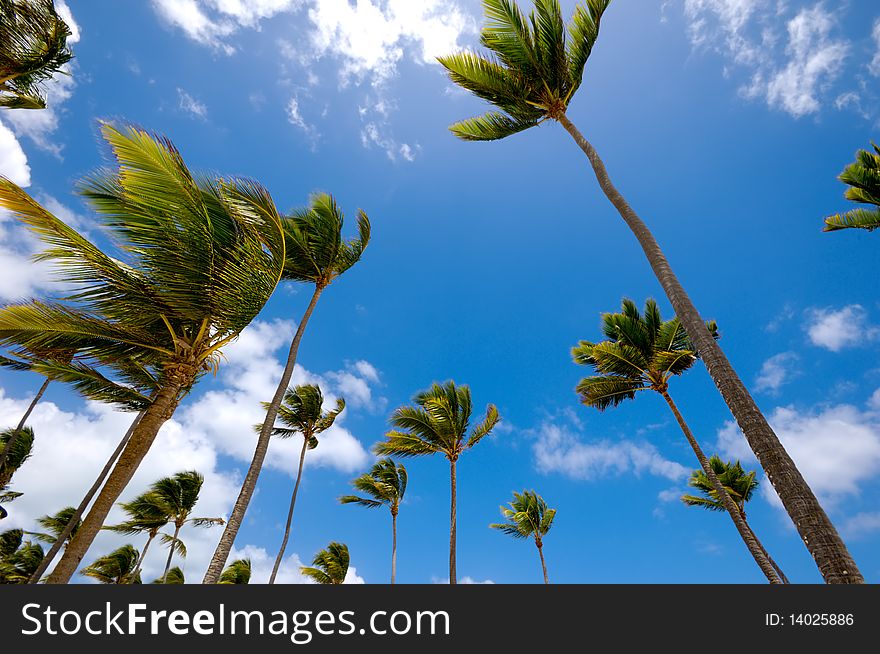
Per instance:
(766,553)
(452,577)
(21,423)
(215,568)
(140,562)
(81,509)
(724,497)
(816,530)
(543,563)
(393,545)
(136,449)
(177,527)
(299,472)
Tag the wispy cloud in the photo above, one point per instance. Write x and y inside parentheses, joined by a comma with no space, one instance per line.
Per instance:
(837,329)
(776,371)
(190,105)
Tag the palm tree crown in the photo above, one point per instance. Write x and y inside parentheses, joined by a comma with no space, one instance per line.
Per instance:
(56,524)
(21,450)
(118,567)
(863,178)
(331,565)
(33,48)
(527,515)
(738,483)
(237,572)
(301,412)
(532,69)
(383,485)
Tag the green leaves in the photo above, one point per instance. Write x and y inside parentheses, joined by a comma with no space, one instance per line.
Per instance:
(237,572)
(527,515)
(738,483)
(118,567)
(302,412)
(384,485)
(331,565)
(489,127)
(863,178)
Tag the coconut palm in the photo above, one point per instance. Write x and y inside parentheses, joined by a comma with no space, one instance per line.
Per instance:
(528,515)
(316,254)
(863,179)
(33,48)
(17,565)
(383,485)
(20,452)
(146,514)
(301,412)
(738,483)
(198,259)
(531,72)
(642,354)
(237,572)
(331,565)
(118,567)
(55,525)
(438,424)
(173,576)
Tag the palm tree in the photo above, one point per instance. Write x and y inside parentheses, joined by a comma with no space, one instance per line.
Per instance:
(316,254)
(438,424)
(56,525)
(173,576)
(331,565)
(237,572)
(118,567)
(147,513)
(528,515)
(176,497)
(863,178)
(643,354)
(20,452)
(198,260)
(738,483)
(384,485)
(302,413)
(531,73)
(17,565)
(33,48)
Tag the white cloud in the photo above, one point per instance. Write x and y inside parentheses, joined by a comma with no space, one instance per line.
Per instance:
(375,134)
(776,371)
(559,449)
(295,117)
(861,524)
(190,105)
(841,328)
(288,573)
(66,15)
(13,161)
(875,62)
(837,449)
(467,580)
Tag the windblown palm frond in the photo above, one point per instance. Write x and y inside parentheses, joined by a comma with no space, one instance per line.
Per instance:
(237,572)
(863,179)
(55,525)
(21,450)
(331,565)
(527,515)
(118,567)
(383,485)
(738,483)
(174,576)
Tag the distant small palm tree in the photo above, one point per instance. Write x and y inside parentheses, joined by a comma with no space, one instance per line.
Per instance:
(331,565)
(863,178)
(528,515)
(384,485)
(118,567)
(439,424)
(147,513)
(738,483)
(302,413)
(237,572)
(173,576)
(56,525)
(19,452)
(18,558)
(33,48)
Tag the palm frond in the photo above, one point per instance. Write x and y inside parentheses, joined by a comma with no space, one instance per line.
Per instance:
(490,126)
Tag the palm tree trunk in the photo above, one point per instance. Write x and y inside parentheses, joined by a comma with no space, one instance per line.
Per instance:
(393,546)
(140,562)
(21,423)
(302,458)
(766,553)
(81,509)
(136,449)
(725,499)
(816,530)
(452,576)
(171,552)
(215,568)
(543,563)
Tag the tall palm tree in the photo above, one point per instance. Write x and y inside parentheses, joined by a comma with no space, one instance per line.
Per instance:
(33,48)
(118,567)
(176,497)
(146,514)
(173,576)
(737,483)
(316,254)
(438,424)
(198,259)
(237,572)
(331,565)
(528,515)
(863,179)
(302,413)
(531,72)
(642,354)
(383,485)
(20,452)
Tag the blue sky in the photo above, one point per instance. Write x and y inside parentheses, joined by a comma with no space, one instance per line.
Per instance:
(725,124)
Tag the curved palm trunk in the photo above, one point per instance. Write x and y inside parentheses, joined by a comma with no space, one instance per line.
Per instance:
(136,449)
(393,545)
(818,533)
(81,509)
(140,561)
(724,497)
(299,472)
(540,546)
(171,552)
(215,568)
(21,423)
(452,510)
